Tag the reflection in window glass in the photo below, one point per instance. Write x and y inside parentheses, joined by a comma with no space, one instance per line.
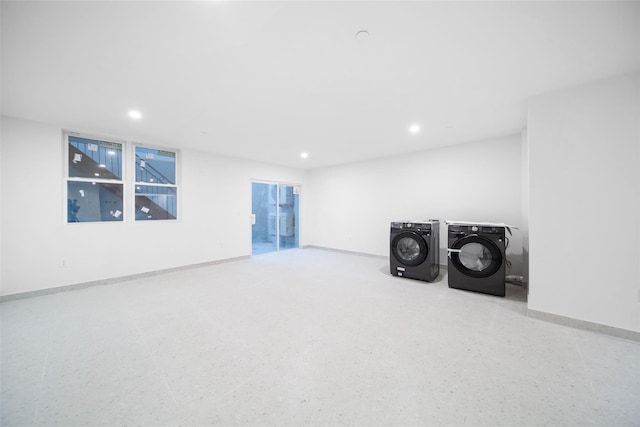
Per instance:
(90,158)
(156,202)
(155,166)
(94,201)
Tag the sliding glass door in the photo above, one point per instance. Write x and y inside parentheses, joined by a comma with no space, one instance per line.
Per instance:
(275,209)
(264,209)
(287,217)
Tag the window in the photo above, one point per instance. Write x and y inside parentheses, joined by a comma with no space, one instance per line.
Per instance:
(94,180)
(156,194)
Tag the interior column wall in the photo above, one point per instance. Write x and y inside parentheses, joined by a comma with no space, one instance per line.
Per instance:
(525,207)
(584,157)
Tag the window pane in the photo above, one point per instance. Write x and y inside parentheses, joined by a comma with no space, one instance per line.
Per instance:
(89,202)
(156,202)
(156,166)
(90,158)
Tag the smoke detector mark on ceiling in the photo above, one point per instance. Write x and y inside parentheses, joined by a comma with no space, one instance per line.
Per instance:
(362,35)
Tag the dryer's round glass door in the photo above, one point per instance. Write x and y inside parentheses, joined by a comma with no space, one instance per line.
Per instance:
(408,249)
(475,256)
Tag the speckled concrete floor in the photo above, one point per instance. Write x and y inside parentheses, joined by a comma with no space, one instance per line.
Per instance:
(304,337)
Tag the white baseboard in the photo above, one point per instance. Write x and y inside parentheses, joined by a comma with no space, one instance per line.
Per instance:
(84,285)
(583,324)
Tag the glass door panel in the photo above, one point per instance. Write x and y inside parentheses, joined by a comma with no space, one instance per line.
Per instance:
(288,216)
(264,198)
(276,224)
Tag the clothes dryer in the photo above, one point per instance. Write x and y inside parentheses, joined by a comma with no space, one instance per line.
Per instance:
(415,249)
(476,258)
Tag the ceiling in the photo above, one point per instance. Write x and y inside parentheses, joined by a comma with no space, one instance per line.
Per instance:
(268,80)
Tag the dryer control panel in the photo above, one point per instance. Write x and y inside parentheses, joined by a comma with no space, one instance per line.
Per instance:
(415,225)
(493,230)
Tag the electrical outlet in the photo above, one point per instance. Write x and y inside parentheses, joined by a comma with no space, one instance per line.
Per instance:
(63,263)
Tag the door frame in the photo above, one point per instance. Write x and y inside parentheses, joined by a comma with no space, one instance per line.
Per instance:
(296,187)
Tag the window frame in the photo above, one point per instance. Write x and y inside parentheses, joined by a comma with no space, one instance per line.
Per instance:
(136,183)
(66,134)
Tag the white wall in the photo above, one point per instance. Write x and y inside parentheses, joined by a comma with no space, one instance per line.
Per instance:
(352,205)
(214,219)
(524,230)
(1,203)
(584,157)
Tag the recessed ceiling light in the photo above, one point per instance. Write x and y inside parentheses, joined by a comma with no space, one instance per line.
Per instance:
(362,35)
(135,114)
(414,128)
(304,155)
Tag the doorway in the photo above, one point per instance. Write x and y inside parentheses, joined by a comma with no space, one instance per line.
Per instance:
(275,217)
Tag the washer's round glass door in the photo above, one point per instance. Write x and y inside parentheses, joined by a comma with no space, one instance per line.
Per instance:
(476,256)
(409,248)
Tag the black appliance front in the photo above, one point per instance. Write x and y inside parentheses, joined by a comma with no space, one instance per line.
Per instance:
(414,250)
(476,258)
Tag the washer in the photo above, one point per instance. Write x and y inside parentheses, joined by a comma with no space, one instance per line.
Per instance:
(414,249)
(476,258)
